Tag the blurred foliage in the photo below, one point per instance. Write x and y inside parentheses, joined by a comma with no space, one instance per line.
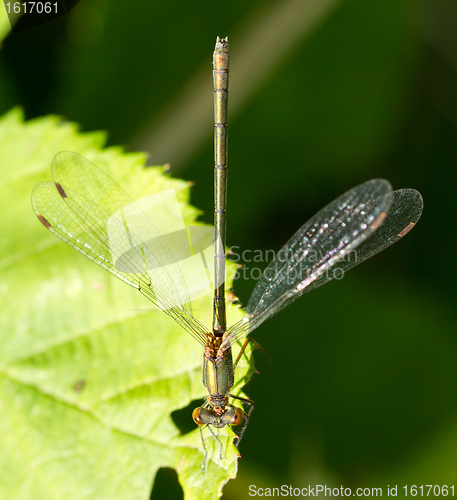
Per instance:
(361,387)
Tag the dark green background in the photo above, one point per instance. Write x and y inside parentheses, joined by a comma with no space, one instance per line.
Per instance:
(362,387)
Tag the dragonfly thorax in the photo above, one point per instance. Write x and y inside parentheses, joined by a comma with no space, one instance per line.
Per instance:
(218,379)
(213,348)
(218,374)
(218,404)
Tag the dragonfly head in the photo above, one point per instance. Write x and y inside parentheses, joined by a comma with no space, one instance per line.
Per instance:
(218,416)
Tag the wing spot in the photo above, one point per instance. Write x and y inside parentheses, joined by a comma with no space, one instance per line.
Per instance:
(61,190)
(406,230)
(44,221)
(379,220)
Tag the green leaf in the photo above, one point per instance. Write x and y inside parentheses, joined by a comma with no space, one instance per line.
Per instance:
(5,22)
(90,372)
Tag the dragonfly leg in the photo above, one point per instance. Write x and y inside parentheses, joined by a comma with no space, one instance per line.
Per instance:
(256,345)
(241,352)
(217,439)
(204,447)
(246,416)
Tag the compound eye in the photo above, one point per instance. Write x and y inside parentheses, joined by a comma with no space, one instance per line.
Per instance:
(197,417)
(238,418)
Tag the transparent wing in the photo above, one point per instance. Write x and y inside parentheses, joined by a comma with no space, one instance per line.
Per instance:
(336,239)
(94,215)
(405,211)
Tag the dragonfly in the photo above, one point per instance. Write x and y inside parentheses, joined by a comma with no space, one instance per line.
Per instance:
(90,212)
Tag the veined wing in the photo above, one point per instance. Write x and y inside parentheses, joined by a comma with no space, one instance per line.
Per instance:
(337,238)
(93,214)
